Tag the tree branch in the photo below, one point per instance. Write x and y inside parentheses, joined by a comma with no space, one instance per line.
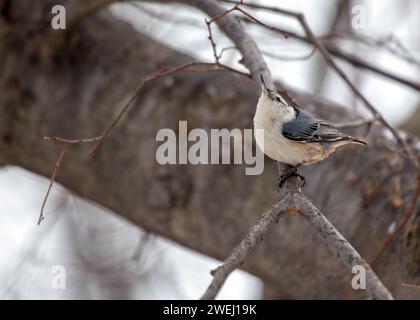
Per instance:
(342,248)
(295,203)
(238,255)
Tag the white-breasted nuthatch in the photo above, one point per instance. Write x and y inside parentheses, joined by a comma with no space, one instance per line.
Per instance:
(292,136)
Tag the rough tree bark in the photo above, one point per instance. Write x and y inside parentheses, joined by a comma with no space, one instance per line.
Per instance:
(73,83)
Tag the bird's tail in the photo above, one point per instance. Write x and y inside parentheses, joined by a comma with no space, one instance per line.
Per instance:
(348,139)
(356,140)
(328,133)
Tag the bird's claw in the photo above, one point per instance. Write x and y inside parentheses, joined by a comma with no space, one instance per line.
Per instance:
(287,174)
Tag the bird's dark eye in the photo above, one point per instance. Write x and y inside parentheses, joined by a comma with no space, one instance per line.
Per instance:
(278,99)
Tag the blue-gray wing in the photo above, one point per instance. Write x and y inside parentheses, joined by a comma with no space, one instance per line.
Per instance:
(305,128)
(302,128)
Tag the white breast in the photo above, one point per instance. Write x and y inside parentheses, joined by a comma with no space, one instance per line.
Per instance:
(270,117)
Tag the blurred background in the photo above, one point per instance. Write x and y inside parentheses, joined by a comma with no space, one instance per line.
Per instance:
(109,258)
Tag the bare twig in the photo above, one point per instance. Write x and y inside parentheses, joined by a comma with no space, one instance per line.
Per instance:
(342,248)
(276,56)
(377,254)
(238,8)
(410,285)
(225,50)
(185,21)
(374,258)
(212,42)
(353,124)
(238,255)
(52,179)
(296,204)
(286,58)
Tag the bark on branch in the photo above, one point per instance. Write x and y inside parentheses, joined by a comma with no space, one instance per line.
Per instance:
(238,255)
(297,204)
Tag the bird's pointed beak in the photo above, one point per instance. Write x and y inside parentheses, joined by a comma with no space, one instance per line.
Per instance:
(263,85)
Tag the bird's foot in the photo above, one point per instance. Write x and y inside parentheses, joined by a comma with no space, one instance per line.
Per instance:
(292,171)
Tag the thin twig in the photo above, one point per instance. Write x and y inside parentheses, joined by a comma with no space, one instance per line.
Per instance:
(276,56)
(410,285)
(52,179)
(226,12)
(407,216)
(374,258)
(286,58)
(354,124)
(259,21)
(185,21)
(225,50)
(295,203)
(238,255)
(212,42)
(342,248)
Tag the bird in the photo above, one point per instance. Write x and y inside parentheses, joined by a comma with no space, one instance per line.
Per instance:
(292,136)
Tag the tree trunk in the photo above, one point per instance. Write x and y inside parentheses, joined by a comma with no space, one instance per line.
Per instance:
(73,83)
